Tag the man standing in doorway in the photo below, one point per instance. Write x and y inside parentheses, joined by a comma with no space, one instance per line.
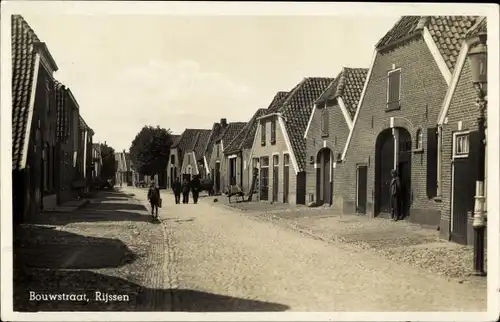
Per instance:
(395,190)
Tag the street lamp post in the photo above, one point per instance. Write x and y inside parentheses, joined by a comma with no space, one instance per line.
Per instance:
(477,56)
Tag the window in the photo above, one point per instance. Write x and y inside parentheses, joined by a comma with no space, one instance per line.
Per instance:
(263,133)
(276,160)
(418,140)
(461,145)
(324,122)
(273,131)
(189,158)
(172,159)
(264,161)
(286,159)
(393,89)
(432,161)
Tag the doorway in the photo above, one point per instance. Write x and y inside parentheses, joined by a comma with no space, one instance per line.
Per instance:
(286,177)
(217,177)
(276,168)
(324,177)
(384,163)
(463,184)
(361,188)
(264,178)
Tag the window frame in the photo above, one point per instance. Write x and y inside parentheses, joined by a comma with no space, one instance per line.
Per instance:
(419,140)
(263,137)
(286,159)
(273,131)
(456,136)
(325,131)
(387,102)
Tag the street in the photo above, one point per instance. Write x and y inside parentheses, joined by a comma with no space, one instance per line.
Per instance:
(207,257)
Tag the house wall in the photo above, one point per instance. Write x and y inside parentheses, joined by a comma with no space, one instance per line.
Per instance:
(268,150)
(247,169)
(462,109)
(335,141)
(189,161)
(422,91)
(173,152)
(219,157)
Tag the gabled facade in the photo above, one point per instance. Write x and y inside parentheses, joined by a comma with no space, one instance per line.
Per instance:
(34,122)
(68,135)
(177,151)
(125,176)
(279,148)
(239,150)
(394,123)
(327,132)
(457,148)
(193,160)
(225,171)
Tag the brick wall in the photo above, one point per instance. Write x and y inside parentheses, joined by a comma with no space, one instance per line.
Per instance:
(338,132)
(422,92)
(462,109)
(279,148)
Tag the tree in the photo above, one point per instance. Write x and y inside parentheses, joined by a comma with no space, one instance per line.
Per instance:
(150,150)
(108,161)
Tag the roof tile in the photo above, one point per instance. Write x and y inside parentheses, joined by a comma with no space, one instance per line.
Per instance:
(297,109)
(23,65)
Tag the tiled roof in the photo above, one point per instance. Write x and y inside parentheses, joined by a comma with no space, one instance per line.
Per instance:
(23,65)
(230,132)
(216,130)
(479,26)
(448,32)
(297,109)
(278,99)
(62,111)
(187,141)
(348,85)
(201,143)
(244,139)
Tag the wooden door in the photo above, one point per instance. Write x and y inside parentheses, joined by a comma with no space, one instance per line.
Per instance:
(264,183)
(464,183)
(362,179)
(286,183)
(327,168)
(385,163)
(217,177)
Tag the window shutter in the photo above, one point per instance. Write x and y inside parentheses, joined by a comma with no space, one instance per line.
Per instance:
(273,131)
(263,133)
(432,155)
(393,90)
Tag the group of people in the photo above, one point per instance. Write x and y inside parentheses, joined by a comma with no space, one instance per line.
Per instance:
(185,187)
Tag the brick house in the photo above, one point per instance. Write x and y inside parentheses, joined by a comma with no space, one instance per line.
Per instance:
(34,122)
(457,135)
(327,132)
(68,134)
(84,156)
(279,143)
(239,149)
(217,129)
(193,162)
(223,170)
(392,129)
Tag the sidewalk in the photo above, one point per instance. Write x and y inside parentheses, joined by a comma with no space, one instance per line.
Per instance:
(111,246)
(400,241)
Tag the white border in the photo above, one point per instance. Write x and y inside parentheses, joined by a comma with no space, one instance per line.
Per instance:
(261,8)
(438,58)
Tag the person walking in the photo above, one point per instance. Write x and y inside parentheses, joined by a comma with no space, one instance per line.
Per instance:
(177,188)
(395,190)
(154,199)
(195,188)
(185,191)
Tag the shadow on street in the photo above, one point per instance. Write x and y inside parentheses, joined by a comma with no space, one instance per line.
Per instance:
(46,247)
(139,298)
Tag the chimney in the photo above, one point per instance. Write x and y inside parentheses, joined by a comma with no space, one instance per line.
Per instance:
(223,122)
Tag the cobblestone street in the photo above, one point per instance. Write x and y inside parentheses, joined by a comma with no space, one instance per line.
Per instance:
(209,258)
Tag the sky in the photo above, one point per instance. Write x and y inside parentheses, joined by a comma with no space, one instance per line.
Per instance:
(188,71)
